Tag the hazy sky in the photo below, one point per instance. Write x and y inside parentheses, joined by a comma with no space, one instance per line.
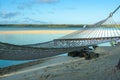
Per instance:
(56,11)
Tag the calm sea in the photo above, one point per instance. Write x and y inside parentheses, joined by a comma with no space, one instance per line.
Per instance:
(22,36)
(29,35)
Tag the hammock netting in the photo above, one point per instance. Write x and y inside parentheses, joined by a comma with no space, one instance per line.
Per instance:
(103,31)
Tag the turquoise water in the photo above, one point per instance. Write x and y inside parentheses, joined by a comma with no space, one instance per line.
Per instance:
(23,39)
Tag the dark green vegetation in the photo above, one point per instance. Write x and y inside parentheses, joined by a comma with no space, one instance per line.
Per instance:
(43,25)
(52,25)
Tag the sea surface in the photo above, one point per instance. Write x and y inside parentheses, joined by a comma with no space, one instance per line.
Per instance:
(29,35)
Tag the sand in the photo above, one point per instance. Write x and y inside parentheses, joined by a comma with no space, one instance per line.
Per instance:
(68,68)
(37,32)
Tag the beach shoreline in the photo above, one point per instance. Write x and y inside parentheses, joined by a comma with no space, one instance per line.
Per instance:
(64,67)
(37,32)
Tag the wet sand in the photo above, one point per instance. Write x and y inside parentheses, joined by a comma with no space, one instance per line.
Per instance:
(68,68)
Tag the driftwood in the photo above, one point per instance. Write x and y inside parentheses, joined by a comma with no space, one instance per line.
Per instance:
(84,53)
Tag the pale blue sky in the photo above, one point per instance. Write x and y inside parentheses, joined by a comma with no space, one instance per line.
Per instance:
(56,11)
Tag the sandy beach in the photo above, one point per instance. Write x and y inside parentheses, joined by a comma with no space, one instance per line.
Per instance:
(37,32)
(69,68)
